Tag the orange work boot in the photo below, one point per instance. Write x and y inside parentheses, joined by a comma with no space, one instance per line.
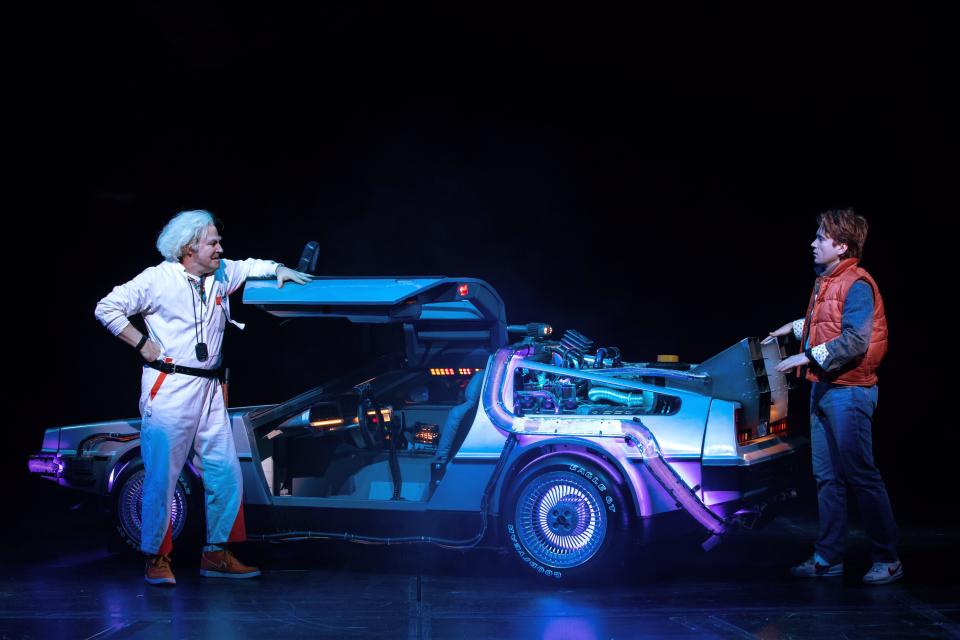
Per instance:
(158,570)
(223,564)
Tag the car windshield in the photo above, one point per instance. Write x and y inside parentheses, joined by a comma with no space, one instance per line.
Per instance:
(335,387)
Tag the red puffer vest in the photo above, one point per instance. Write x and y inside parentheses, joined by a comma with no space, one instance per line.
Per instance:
(824,316)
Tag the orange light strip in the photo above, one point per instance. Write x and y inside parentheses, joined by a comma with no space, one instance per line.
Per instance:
(327,423)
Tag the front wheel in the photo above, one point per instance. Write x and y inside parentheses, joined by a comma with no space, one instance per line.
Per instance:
(128,506)
(567,519)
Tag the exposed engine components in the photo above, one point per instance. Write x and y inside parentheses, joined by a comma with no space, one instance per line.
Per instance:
(539,392)
(573,351)
(628,398)
(576,390)
(567,392)
(536,401)
(606,357)
(598,358)
(573,347)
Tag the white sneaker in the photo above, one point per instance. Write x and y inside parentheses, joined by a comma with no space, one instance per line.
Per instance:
(816,567)
(884,572)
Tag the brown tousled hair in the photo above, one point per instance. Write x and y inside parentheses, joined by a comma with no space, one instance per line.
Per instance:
(845,226)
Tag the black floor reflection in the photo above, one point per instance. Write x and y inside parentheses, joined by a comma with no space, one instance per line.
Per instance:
(59,581)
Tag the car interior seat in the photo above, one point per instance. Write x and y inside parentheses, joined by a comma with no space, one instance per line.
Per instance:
(458,418)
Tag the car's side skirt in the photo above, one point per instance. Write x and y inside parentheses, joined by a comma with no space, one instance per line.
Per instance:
(341,523)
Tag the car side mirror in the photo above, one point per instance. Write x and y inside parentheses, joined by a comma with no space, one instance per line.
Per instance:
(308,259)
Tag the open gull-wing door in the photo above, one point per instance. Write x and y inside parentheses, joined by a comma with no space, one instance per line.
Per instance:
(446,321)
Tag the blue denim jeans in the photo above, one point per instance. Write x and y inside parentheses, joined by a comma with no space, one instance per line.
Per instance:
(841,420)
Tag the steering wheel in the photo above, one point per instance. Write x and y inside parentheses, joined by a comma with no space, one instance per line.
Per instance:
(369,421)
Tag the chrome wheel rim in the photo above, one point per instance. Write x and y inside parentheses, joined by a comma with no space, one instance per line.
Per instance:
(561,520)
(130,507)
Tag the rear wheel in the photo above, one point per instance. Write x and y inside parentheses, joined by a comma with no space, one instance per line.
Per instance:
(128,506)
(566,519)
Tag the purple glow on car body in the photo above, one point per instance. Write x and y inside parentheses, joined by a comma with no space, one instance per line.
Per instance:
(670,480)
(45,465)
(633,433)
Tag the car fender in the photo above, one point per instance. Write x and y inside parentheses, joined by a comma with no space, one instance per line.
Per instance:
(131,455)
(574,448)
(121,462)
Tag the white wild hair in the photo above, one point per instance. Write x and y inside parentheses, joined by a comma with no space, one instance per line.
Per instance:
(185,228)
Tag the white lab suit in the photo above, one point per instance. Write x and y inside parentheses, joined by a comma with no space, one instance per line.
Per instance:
(181,411)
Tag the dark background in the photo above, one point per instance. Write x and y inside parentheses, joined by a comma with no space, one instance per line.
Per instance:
(648,177)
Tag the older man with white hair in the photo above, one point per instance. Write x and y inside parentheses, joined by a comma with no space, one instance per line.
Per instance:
(185,304)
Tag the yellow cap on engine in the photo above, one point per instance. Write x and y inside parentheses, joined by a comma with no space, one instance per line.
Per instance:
(667,358)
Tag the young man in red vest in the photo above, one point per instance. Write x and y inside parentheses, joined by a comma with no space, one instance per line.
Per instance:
(844,338)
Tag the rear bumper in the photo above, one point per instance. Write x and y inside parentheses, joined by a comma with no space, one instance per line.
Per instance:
(46,465)
(756,487)
(747,496)
(75,472)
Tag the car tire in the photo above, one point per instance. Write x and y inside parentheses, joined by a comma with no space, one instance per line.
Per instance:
(566,519)
(127,502)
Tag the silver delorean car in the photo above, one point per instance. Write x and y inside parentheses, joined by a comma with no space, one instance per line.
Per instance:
(559,451)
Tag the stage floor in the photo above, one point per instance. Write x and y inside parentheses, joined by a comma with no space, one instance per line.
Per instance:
(62,583)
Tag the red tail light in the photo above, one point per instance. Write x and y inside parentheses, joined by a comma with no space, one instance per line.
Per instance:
(779,427)
(744,435)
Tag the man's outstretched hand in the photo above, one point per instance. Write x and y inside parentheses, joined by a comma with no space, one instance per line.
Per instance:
(798,360)
(782,331)
(285,273)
